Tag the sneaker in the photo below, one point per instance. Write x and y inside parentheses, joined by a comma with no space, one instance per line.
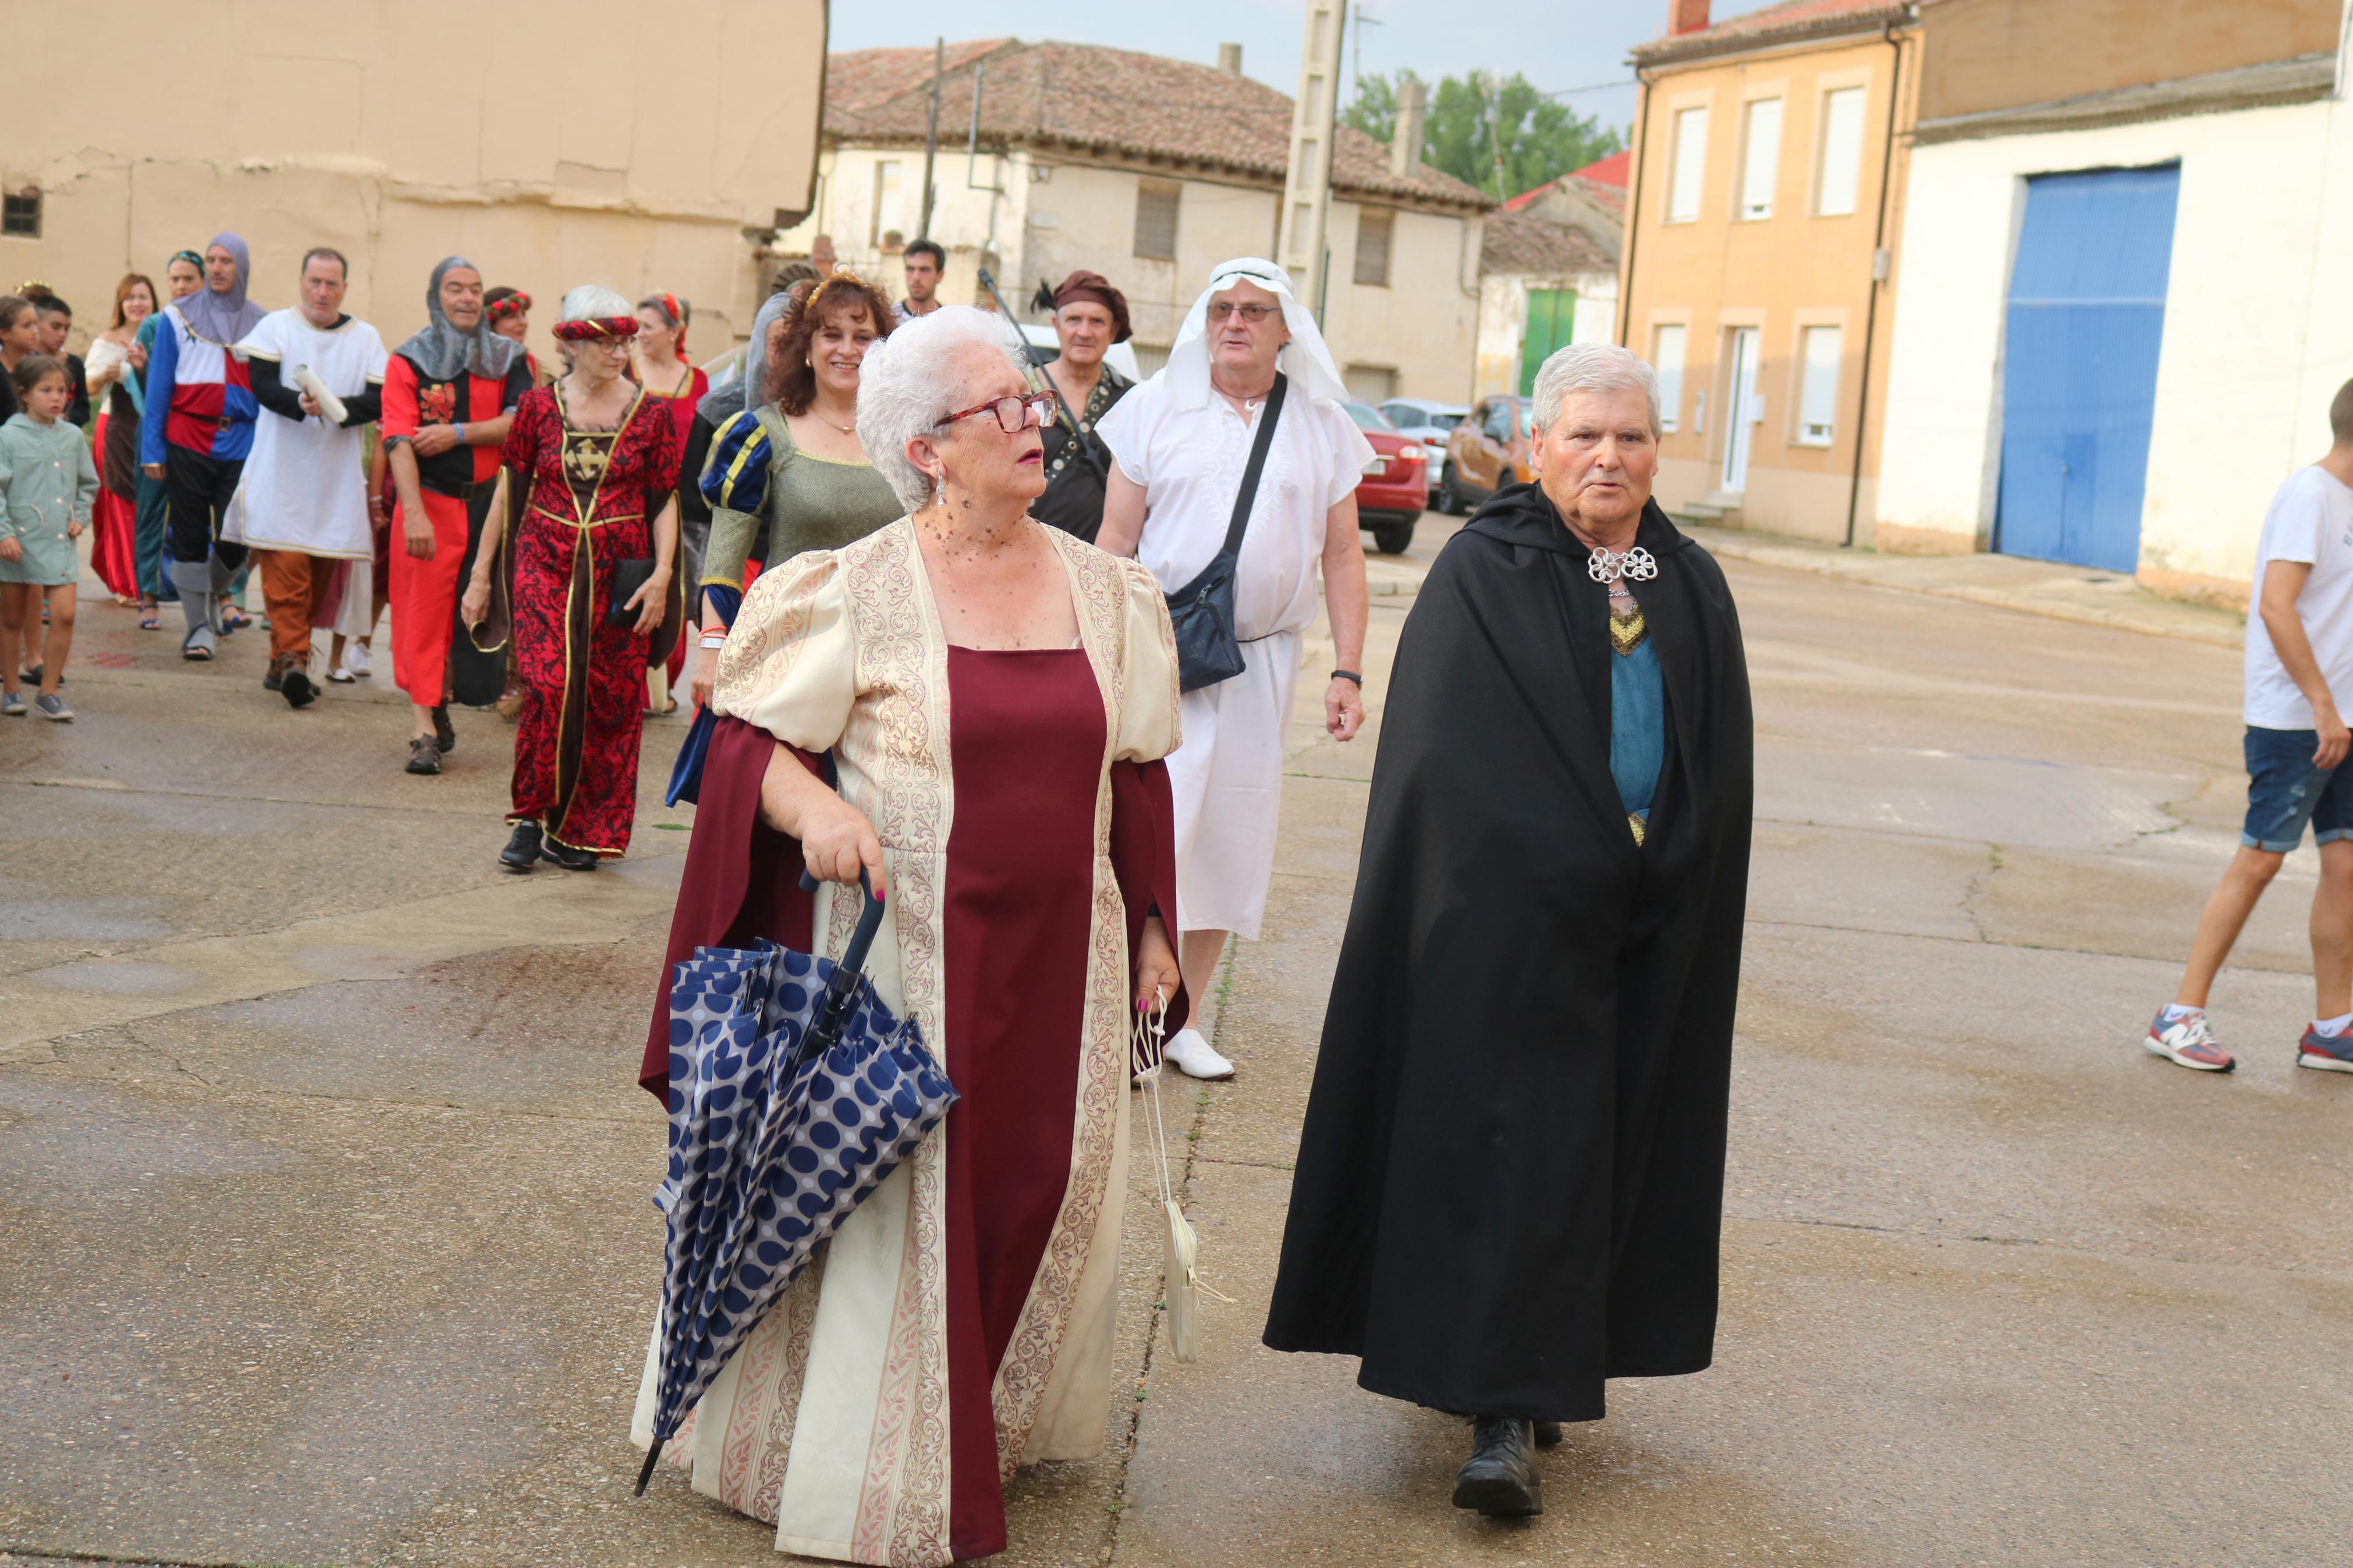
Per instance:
(355,662)
(1195,1058)
(2187,1042)
(522,851)
(53,706)
(11,705)
(570,858)
(424,756)
(340,676)
(2329,1053)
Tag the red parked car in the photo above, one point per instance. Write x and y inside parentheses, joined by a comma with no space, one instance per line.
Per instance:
(1394,492)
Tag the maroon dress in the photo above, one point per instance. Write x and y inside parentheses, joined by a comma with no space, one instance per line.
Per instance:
(1027,744)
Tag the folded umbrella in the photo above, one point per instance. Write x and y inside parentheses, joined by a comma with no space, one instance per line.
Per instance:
(794,1093)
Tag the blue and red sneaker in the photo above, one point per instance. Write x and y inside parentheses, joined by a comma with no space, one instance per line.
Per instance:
(2329,1053)
(2189,1042)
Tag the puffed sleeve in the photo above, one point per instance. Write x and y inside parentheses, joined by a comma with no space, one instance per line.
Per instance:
(790,664)
(527,432)
(1148,714)
(734,484)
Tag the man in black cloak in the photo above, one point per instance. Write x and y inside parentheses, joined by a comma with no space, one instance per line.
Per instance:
(1511,1179)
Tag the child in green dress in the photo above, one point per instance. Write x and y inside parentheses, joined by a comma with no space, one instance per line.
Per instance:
(47,484)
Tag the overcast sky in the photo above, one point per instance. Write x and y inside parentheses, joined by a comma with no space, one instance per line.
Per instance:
(1556,43)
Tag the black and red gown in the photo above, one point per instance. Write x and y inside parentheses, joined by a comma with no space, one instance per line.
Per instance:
(581,503)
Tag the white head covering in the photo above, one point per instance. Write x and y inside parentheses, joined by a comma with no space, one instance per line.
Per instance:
(1305,359)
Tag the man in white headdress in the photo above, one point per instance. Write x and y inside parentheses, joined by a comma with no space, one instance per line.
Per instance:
(1181,443)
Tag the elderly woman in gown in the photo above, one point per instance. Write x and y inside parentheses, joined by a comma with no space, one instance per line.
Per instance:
(996,698)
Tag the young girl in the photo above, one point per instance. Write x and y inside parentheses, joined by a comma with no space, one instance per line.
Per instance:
(47,483)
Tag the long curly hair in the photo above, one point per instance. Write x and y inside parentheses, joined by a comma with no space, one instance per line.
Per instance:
(789,382)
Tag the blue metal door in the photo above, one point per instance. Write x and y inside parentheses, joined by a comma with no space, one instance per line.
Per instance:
(2079,386)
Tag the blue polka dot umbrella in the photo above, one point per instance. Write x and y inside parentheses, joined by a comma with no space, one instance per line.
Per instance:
(793,1093)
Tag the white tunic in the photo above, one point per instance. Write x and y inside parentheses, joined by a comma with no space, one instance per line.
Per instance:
(1227,778)
(305,486)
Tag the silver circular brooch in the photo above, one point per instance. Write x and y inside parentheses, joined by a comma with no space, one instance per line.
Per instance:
(1635,565)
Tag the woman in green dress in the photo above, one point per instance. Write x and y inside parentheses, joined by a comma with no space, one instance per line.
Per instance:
(787,475)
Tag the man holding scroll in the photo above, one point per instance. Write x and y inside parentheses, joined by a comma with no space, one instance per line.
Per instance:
(302,505)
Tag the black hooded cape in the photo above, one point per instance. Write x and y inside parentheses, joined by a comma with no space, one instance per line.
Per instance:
(1511,1179)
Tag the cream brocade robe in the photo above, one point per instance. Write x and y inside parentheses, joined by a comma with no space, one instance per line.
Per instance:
(832,1419)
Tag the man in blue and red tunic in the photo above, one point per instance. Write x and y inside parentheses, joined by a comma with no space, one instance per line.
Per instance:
(197,382)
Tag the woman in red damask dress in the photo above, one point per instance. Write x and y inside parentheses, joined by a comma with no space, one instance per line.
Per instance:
(591,522)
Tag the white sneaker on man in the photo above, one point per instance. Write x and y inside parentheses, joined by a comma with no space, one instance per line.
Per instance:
(1195,1058)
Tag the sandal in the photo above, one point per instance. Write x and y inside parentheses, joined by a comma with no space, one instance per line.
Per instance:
(235,620)
(150,623)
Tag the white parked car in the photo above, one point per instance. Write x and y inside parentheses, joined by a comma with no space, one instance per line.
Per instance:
(1428,422)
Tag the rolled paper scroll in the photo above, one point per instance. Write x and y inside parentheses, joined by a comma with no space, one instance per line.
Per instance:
(329,404)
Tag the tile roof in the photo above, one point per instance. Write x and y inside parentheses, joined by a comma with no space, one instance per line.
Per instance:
(1784,23)
(1517,242)
(1614,170)
(1083,98)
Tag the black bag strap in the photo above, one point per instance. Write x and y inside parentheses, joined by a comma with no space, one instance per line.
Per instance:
(1259,444)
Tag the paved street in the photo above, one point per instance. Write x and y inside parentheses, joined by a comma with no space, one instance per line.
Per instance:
(324,1235)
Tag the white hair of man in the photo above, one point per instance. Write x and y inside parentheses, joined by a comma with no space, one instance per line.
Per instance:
(1592,367)
(907,383)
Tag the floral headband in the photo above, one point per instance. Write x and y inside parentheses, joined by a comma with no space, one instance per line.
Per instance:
(515,304)
(598,327)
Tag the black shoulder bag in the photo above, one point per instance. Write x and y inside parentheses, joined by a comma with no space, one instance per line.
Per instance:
(1202,611)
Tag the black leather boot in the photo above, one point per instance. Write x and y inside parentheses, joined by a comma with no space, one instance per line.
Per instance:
(522,851)
(1501,1480)
(1547,1434)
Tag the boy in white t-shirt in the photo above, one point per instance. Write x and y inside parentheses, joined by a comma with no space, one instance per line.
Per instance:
(2299,655)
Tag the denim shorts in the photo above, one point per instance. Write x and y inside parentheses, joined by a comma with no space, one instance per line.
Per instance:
(2285,791)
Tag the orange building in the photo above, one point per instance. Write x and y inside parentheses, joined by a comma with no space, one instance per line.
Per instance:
(1758,271)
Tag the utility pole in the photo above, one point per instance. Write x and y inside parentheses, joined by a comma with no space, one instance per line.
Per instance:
(931,135)
(1302,224)
(1494,136)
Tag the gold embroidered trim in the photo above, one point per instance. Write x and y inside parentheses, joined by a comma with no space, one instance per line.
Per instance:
(1641,828)
(1626,632)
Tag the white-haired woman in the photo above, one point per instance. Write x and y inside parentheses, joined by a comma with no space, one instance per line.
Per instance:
(591,526)
(1563,790)
(996,697)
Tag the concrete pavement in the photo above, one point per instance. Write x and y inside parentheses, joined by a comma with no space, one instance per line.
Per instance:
(323,1232)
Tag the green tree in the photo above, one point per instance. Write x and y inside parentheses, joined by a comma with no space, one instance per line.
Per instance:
(1470,119)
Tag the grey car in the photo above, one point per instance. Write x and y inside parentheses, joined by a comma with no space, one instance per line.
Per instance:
(1429,424)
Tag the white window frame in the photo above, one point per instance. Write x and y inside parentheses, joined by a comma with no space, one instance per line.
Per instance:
(1841,149)
(887,183)
(1819,382)
(1686,183)
(1760,157)
(1670,375)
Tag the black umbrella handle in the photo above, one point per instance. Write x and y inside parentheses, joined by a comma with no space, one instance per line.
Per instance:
(653,1454)
(841,990)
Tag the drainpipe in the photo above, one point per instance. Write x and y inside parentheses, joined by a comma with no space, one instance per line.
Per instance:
(1879,268)
(1634,218)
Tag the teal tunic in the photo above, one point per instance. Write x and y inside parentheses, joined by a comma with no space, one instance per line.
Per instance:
(48,481)
(1638,717)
